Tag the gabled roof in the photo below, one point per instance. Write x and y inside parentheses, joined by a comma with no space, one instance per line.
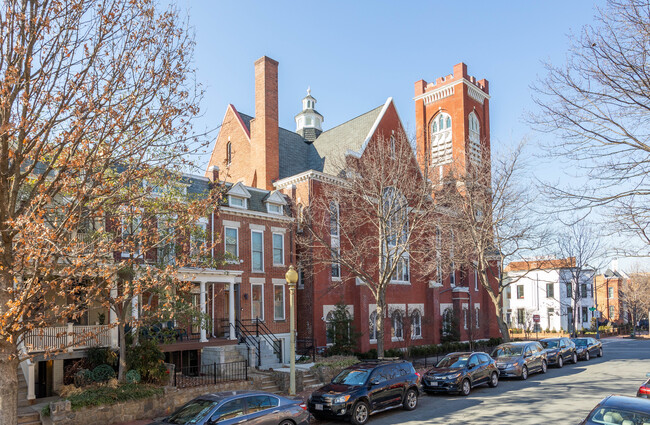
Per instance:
(275,197)
(238,189)
(332,145)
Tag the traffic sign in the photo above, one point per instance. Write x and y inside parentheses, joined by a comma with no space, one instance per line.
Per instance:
(592,308)
(536,318)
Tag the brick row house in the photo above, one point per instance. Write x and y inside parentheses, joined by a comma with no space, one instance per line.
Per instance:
(251,241)
(609,287)
(452,126)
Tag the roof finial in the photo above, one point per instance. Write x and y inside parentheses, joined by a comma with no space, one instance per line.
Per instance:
(308,90)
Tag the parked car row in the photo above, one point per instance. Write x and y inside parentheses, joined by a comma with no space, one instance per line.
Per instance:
(370,387)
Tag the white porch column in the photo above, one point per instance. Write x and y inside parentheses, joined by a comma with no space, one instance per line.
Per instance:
(203,310)
(231,311)
(112,318)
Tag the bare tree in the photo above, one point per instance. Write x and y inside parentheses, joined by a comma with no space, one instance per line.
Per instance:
(580,245)
(635,295)
(372,223)
(96,99)
(491,213)
(598,105)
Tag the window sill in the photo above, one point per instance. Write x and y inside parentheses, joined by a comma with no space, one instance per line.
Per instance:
(279,320)
(336,279)
(234,261)
(373,341)
(278,265)
(257,271)
(397,339)
(400,282)
(416,337)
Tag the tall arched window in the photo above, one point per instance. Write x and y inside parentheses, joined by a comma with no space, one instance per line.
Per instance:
(441,152)
(474,138)
(373,326)
(416,324)
(397,330)
(228,153)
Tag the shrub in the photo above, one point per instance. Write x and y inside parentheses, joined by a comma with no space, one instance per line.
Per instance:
(100,355)
(338,362)
(393,352)
(370,354)
(106,394)
(103,373)
(148,360)
(341,331)
(133,376)
(83,377)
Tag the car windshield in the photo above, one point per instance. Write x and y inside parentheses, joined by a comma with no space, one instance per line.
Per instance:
(580,342)
(611,415)
(453,361)
(549,344)
(351,377)
(508,351)
(192,412)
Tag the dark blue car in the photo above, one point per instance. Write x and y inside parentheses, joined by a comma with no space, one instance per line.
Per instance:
(617,409)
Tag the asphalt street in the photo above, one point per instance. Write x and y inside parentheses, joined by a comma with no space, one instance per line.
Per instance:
(561,396)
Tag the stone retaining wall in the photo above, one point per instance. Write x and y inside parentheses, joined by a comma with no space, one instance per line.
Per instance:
(145,408)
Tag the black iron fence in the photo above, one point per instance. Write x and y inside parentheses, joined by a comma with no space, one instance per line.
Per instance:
(210,374)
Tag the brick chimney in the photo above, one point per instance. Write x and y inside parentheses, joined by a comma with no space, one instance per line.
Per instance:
(264,128)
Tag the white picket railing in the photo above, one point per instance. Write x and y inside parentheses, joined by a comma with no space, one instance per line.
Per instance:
(70,337)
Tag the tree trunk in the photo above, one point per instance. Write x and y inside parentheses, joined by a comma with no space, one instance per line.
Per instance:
(8,383)
(503,327)
(380,327)
(121,371)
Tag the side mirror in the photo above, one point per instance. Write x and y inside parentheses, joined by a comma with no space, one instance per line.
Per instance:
(374,381)
(527,355)
(472,365)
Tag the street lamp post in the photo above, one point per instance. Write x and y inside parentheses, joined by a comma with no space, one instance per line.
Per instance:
(292,277)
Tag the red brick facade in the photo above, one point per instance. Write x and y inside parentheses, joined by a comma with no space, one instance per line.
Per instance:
(256,163)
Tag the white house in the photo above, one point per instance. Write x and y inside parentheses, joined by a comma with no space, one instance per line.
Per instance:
(547,288)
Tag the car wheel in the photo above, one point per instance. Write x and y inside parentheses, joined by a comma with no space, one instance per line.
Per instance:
(494,380)
(524,373)
(574,358)
(465,387)
(560,362)
(544,366)
(287,422)
(600,352)
(587,356)
(411,400)
(360,413)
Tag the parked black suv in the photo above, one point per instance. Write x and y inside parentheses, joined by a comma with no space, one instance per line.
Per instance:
(367,388)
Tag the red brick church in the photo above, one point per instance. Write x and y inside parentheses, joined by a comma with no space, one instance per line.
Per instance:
(452,124)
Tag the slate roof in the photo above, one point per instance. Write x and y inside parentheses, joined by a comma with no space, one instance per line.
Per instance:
(327,151)
(256,201)
(332,145)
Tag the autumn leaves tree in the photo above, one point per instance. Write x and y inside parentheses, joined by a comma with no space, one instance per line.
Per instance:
(96,99)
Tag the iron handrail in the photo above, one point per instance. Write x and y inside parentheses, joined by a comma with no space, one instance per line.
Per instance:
(266,334)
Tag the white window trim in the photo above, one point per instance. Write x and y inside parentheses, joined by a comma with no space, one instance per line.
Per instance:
(262,285)
(245,203)
(273,249)
(465,316)
(252,269)
(413,335)
(236,229)
(269,205)
(284,304)
(475,280)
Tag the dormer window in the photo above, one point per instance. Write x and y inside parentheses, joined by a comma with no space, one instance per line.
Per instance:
(274,208)
(236,201)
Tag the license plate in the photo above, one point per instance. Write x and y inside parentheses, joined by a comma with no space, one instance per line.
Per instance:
(433,383)
(318,406)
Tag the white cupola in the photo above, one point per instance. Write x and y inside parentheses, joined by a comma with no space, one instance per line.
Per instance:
(308,122)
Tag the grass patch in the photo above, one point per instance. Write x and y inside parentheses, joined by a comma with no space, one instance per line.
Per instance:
(106,394)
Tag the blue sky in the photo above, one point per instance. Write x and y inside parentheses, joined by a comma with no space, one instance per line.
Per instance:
(354,55)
